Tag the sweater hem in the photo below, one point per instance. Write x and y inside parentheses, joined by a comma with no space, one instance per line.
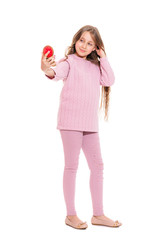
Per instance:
(77,129)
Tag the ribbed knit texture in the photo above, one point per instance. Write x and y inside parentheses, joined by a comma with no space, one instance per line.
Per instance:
(79,98)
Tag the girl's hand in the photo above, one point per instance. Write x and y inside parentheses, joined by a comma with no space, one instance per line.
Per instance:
(100,52)
(47,62)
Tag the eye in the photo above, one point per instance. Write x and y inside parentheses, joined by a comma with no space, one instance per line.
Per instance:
(81,40)
(90,44)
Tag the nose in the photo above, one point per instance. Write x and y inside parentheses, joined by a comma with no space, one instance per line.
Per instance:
(84,45)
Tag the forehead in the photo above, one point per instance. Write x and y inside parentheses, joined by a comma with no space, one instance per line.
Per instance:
(87,36)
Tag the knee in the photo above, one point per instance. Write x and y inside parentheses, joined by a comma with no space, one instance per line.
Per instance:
(71,167)
(97,166)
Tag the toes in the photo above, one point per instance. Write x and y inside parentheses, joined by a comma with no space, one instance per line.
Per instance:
(117,223)
(80,225)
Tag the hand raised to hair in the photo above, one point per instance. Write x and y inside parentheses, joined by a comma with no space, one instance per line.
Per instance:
(100,52)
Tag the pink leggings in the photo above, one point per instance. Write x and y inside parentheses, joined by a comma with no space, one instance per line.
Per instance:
(72,143)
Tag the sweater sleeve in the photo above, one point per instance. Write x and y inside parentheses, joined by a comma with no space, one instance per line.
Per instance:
(107,77)
(61,70)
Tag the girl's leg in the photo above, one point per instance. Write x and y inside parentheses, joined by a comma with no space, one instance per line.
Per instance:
(92,152)
(72,143)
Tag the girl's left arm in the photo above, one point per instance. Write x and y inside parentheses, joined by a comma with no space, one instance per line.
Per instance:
(107,77)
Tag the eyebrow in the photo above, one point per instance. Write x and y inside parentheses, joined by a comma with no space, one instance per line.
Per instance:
(88,41)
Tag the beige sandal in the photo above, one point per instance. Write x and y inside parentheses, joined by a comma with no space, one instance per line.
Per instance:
(82,225)
(96,221)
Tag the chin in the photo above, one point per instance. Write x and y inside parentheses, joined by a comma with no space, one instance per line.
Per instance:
(82,55)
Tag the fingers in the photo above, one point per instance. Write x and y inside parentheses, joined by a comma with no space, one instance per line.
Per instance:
(53,64)
(44,56)
(50,60)
(47,61)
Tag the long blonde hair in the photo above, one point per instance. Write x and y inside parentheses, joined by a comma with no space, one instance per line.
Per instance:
(93,57)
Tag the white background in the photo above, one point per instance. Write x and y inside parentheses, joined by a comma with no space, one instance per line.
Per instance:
(31,151)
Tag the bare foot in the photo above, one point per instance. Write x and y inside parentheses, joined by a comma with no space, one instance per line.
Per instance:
(74,219)
(108,221)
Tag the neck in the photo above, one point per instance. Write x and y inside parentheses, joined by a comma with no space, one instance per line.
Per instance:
(80,56)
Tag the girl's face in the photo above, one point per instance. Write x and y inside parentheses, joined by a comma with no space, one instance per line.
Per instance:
(85,45)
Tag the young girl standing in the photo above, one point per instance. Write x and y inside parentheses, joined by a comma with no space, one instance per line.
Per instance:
(84,68)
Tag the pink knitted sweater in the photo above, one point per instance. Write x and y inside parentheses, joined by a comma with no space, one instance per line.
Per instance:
(79,98)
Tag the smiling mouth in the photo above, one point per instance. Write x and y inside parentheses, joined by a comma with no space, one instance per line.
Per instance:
(82,50)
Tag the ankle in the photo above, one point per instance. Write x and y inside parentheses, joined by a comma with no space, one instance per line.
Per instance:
(71,216)
(98,215)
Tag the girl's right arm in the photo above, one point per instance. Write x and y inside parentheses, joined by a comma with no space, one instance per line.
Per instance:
(55,70)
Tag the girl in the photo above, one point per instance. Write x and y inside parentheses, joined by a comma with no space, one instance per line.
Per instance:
(84,68)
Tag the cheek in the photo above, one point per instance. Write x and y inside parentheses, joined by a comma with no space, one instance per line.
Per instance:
(77,44)
(90,49)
